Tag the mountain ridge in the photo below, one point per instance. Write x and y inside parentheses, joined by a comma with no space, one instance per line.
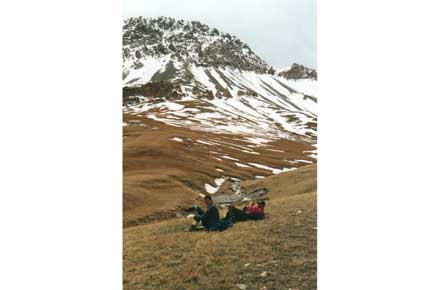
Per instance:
(181,86)
(186,41)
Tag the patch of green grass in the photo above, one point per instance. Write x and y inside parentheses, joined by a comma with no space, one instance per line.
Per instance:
(171,228)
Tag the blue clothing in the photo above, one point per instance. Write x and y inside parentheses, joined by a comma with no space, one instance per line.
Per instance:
(221,225)
(210,218)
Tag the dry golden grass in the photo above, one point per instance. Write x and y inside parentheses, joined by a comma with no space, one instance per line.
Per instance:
(303,179)
(161,175)
(162,255)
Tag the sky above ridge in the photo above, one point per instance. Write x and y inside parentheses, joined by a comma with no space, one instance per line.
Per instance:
(279,31)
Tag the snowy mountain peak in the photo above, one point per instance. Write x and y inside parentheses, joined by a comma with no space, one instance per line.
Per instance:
(186,74)
(297,71)
(182,41)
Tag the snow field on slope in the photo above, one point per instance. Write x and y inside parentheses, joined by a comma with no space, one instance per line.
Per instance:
(210,189)
(304,86)
(230,118)
(274,170)
(213,189)
(245,114)
(241,165)
(144,74)
(177,139)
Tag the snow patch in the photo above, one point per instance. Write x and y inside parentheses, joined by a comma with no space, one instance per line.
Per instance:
(204,142)
(173,106)
(300,160)
(241,164)
(210,189)
(257,140)
(274,170)
(275,150)
(219,181)
(229,157)
(251,152)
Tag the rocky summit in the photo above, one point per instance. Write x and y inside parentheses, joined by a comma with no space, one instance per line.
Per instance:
(186,42)
(297,71)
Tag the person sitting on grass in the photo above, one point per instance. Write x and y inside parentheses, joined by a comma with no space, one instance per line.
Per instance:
(211,218)
(250,212)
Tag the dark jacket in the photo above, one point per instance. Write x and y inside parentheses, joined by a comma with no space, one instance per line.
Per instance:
(210,219)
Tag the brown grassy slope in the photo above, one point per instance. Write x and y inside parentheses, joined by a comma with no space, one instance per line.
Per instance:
(163,256)
(161,175)
(303,179)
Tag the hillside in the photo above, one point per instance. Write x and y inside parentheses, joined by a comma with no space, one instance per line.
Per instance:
(200,107)
(209,80)
(276,253)
(165,166)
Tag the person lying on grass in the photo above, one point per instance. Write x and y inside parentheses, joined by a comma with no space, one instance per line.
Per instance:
(250,212)
(211,218)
